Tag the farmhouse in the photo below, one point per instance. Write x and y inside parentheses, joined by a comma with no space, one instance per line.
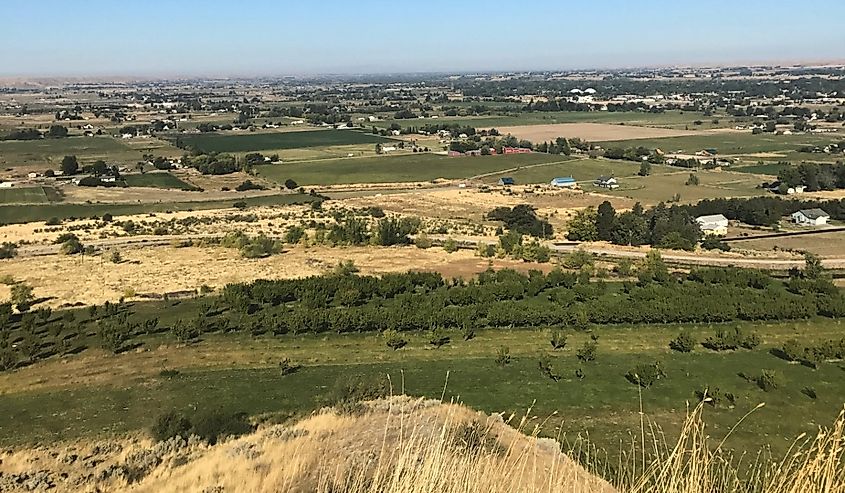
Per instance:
(810,217)
(715,224)
(565,182)
(608,182)
(506,180)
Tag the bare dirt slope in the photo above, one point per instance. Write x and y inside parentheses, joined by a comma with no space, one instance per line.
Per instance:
(399,444)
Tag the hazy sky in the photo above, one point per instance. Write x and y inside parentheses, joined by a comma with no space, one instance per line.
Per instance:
(258,37)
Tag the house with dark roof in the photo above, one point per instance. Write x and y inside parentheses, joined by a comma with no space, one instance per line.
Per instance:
(810,217)
(506,181)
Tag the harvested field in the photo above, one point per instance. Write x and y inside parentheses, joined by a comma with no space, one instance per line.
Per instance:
(94,279)
(593,132)
(213,142)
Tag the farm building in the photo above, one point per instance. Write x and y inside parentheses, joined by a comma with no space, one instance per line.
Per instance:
(506,180)
(565,182)
(715,224)
(455,154)
(810,217)
(515,150)
(608,182)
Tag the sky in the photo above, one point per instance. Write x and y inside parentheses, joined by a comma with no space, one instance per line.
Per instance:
(160,38)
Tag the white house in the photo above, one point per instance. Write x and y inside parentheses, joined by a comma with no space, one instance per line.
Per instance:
(608,182)
(810,217)
(564,182)
(715,224)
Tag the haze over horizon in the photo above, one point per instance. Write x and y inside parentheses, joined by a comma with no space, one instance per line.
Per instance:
(216,38)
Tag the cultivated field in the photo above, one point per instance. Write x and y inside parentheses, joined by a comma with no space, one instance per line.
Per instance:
(592,132)
(392,169)
(278,140)
(94,393)
(156,180)
(32,195)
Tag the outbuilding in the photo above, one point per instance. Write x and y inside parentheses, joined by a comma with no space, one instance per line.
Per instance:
(564,182)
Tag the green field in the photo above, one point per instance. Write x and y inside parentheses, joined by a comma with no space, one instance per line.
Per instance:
(156,180)
(663,186)
(404,168)
(761,169)
(278,140)
(237,372)
(14,214)
(32,195)
(580,169)
(48,153)
(744,143)
(669,119)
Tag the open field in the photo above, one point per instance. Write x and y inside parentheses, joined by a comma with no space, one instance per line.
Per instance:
(278,140)
(668,119)
(95,280)
(93,393)
(662,187)
(26,155)
(771,169)
(823,245)
(391,169)
(156,180)
(592,132)
(766,147)
(580,169)
(12,214)
(32,195)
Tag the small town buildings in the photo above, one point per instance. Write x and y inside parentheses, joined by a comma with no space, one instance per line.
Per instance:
(716,224)
(608,182)
(810,217)
(564,182)
(506,181)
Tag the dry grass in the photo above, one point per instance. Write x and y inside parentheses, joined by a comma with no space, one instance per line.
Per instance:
(407,445)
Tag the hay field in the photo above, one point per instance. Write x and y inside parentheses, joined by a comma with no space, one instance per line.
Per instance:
(94,279)
(593,132)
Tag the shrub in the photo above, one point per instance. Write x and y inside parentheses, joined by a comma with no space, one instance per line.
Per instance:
(115,257)
(587,352)
(645,375)
(503,356)
(294,234)
(185,332)
(438,338)
(684,343)
(714,397)
(287,367)
(394,340)
(730,339)
(768,380)
(290,184)
(348,391)
(422,241)
(8,359)
(545,365)
(216,425)
(169,425)
(450,245)
(249,185)
(53,221)
(72,246)
(21,295)
(558,339)
(239,205)
(810,392)
(468,332)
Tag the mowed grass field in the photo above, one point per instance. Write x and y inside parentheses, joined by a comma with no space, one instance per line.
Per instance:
(239,373)
(214,142)
(662,186)
(156,180)
(15,214)
(401,168)
(48,153)
(768,146)
(580,169)
(668,119)
(31,195)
